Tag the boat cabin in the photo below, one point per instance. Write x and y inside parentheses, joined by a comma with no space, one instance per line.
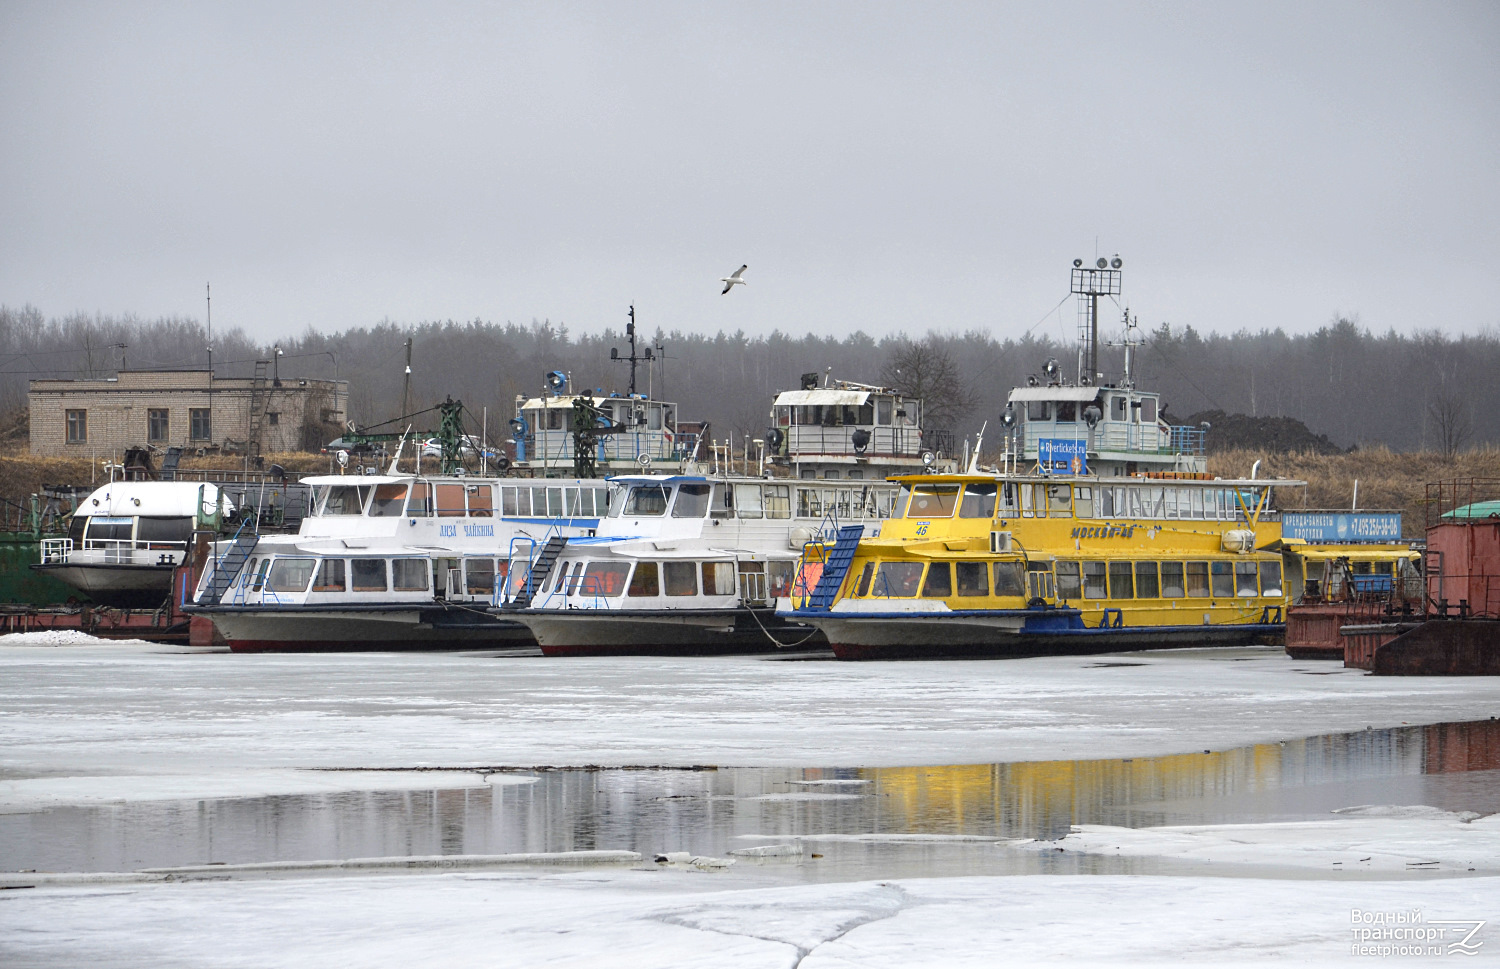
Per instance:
(632,430)
(846,430)
(136,523)
(1099,430)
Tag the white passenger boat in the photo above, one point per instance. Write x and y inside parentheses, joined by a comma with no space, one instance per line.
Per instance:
(396,561)
(688,564)
(127,537)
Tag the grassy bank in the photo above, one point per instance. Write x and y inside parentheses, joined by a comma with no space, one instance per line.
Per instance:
(1388,479)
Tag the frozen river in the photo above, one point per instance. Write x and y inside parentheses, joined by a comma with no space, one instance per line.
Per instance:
(896,805)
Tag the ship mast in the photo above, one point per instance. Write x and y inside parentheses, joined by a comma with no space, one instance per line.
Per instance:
(1103,280)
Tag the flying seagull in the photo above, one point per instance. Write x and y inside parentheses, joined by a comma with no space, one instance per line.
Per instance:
(733,279)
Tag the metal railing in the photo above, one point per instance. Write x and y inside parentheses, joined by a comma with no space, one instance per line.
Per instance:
(1119,437)
(804,441)
(111,551)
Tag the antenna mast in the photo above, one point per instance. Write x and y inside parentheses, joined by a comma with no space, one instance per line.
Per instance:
(208,292)
(1104,280)
(633,359)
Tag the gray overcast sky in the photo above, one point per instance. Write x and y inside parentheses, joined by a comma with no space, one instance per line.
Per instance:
(879,166)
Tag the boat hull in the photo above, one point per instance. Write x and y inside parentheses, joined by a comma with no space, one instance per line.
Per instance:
(320,630)
(120,586)
(1013,635)
(618,632)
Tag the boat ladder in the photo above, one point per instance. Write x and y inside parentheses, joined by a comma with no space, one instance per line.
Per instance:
(836,567)
(228,565)
(536,577)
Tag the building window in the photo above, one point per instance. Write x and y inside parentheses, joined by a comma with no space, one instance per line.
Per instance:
(78,426)
(201,423)
(273,417)
(156,425)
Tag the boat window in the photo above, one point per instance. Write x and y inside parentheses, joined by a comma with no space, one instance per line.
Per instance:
(808,505)
(450,500)
(1117,407)
(692,501)
(973,578)
(1148,410)
(1106,502)
(346,499)
(617,501)
(315,498)
(554,503)
(778,501)
(1223,579)
(1196,576)
(1010,578)
(580,502)
(1244,579)
(899,510)
(1270,579)
(1038,410)
(1067,411)
(939,584)
(389,502)
(601,501)
(933,501)
(680,578)
(409,575)
(291,575)
(644,582)
(481,501)
(479,577)
(247,574)
(368,575)
(1069,584)
(561,582)
(330,576)
(1083,502)
(1059,500)
(164,530)
(1146,585)
(260,577)
(604,578)
(718,578)
(747,500)
(1093,580)
(978,501)
(898,579)
(1170,507)
(1039,580)
(419,505)
(863,588)
(1171,580)
(1120,581)
(647,500)
(1008,500)
(779,576)
(882,410)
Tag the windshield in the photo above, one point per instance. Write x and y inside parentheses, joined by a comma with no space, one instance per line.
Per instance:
(933,501)
(692,501)
(647,500)
(390,501)
(346,499)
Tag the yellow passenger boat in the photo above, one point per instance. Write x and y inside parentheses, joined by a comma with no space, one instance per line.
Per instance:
(1013,565)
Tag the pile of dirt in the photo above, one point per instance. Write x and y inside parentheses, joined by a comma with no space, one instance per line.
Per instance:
(1277,435)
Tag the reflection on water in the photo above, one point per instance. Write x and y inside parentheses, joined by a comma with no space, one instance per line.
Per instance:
(1454,766)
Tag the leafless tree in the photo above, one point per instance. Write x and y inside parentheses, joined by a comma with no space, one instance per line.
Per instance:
(1449,414)
(925,369)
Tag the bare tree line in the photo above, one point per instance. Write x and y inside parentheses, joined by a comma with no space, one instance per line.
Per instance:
(1425,390)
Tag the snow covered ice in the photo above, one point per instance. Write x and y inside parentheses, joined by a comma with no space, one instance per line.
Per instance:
(1226,835)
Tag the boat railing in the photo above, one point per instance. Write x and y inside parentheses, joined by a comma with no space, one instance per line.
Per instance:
(814,440)
(112,551)
(1119,436)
